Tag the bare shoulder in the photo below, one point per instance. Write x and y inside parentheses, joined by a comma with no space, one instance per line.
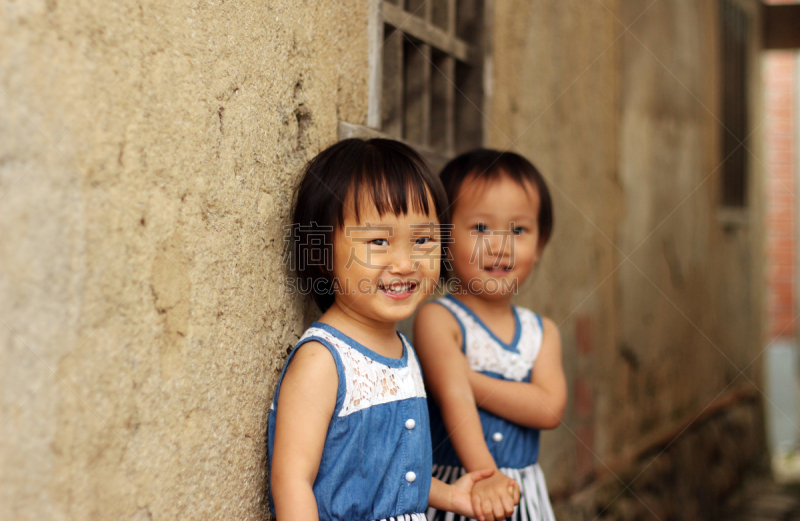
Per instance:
(312,360)
(550,327)
(310,384)
(437,339)
(435,320)
(551,339)
(435,312)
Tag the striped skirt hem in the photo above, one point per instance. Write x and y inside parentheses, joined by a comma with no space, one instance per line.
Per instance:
(407,517)
(534,503)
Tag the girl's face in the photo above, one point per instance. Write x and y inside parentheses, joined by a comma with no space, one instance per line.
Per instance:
(495,236)
(385,266)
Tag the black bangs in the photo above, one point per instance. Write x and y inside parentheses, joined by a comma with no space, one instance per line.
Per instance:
(391,180)
(387,174)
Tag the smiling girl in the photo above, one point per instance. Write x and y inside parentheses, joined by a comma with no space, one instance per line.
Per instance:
(493,369)
(349,434)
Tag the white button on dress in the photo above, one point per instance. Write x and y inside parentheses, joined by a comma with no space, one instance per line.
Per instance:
(497,437)
(410,476)
(410,423)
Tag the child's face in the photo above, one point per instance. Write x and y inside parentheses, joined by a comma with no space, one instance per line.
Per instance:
(495,236)
(386,266)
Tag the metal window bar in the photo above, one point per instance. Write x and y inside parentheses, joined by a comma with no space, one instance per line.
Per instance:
(431,88)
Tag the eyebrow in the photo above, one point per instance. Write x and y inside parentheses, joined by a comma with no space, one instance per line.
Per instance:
(513,218)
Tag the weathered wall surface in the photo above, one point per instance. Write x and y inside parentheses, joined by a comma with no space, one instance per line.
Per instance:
(148,151)
(688,312)
(664,482)
(555,101)
(147,156)
(657,292)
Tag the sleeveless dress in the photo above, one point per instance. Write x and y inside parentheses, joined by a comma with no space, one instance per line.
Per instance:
(515,448)
(376,461)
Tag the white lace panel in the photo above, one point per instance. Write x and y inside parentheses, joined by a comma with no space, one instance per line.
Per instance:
(485,354)
(370,382)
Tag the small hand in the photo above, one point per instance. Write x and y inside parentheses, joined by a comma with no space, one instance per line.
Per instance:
(461,492)
(494,498)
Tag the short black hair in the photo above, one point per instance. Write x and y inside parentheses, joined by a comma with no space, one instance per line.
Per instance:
(390,172)
(489,165)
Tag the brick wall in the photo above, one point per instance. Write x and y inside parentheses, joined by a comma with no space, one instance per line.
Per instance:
(780,84)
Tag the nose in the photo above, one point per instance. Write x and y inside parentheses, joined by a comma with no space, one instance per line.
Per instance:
(401,262)
(497,244)
(498,248)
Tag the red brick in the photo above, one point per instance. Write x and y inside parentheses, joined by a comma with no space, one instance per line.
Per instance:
(780,84)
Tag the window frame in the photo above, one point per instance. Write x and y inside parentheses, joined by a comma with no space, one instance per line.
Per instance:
(433,38)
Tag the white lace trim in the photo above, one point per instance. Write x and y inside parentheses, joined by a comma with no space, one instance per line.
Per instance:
(484,353)
(369,382)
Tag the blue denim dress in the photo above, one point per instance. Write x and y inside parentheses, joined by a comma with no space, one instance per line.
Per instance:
(376,461)
(515,448)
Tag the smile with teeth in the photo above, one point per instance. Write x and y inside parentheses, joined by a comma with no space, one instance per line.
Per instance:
(398,289)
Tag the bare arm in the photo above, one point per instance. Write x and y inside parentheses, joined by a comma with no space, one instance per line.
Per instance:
(537,404)
(305,407)
(446,371)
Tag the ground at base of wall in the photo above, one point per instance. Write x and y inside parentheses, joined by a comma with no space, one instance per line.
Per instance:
(762,499)
(692,478)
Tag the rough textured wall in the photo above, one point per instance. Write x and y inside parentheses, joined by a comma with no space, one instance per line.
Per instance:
(147,155)
(696,318)
(555,99)
(689,318)
(656,291)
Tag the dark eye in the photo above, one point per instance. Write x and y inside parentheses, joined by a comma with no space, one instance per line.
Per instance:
(481,227)
(424,240)
(379,242)
(518,230)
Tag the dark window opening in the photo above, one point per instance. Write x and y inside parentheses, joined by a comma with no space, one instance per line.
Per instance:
(734,31)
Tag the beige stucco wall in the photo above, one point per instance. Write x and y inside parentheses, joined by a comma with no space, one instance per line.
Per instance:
(658,298)
(560,110)
(147,155)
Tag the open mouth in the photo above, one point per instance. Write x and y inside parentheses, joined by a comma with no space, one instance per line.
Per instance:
(398,289)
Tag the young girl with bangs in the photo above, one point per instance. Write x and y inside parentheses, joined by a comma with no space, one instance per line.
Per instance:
(493,369)
(348,430)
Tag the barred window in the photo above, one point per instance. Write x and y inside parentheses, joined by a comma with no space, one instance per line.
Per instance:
(427,75)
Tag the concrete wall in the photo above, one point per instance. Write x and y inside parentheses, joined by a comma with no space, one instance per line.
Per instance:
(147,156)
(148,151)
(656,289)
(560,110)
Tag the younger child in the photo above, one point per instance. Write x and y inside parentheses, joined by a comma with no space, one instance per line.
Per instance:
(349,434)
(509,357)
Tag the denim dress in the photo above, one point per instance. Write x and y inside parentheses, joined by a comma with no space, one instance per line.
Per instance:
(515,448)
(376,461)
